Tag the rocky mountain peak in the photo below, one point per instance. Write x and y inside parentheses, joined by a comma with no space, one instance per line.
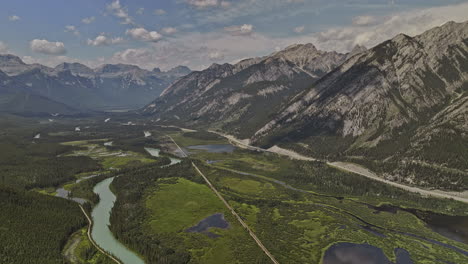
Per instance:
(75,68)
(357,49)
(10,59)
(117,68)
(12,65)
(179,70)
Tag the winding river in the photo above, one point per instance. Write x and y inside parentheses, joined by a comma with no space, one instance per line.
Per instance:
(101,219)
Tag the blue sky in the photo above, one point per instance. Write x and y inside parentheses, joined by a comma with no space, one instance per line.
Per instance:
(197,33)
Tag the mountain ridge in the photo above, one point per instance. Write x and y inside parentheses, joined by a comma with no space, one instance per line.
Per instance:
(81,87)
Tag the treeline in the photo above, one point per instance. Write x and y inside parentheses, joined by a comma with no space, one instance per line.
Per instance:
(128,214)
(34,228)
(37,165)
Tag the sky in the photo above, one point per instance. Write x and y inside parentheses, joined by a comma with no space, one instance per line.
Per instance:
(198,33)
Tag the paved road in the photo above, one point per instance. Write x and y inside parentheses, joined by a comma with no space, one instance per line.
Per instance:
(350,167)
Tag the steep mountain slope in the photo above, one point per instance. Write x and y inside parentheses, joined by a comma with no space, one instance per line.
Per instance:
(395,102)
(108,86)
(15,97)
(240,98)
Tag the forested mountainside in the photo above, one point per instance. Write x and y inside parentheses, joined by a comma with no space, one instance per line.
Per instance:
(16,97)
(241,98)
(80,87)
(402,103)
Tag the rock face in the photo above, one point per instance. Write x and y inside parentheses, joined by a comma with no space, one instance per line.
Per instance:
(400,108)
(402,101)
(108,86)
(400,81)
(240,98)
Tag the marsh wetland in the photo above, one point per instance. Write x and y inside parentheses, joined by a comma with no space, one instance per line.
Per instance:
(148,203)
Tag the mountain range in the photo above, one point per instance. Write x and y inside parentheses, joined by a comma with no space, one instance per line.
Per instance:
(400,108)
(110,86)
(239,98)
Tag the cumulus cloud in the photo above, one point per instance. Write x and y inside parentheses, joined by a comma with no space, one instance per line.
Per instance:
(410,23)
(3,47)
(14,18)
(299,29)
(72,29)
(140,11)
(199,49)
(160,12)
(120,12)
(242,30)
(103,40)
(215,56)
(47,47)
(208,3)
(169,30)
(143,35)
(364,20)
(88,20)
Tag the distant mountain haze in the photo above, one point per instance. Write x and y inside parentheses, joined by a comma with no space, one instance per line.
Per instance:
(80,87)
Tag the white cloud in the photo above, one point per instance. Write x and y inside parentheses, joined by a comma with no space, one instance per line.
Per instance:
(197,49)
(103,40)
(88,20)
(144,35)
(3,47)
(203,3)
(160,12)
(364,20)
(72,29)
(140,11)
(410,23)
(243,30)
(169,30)
(299,29)
(14,18)
(47,47)
(120,12)
(216,56)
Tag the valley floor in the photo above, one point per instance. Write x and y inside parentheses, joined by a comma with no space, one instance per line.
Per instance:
(195,208)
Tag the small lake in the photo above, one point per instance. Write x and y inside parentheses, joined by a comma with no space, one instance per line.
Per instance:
(224,148)
(453,227)
(101,221)
(216,220)
(350,253)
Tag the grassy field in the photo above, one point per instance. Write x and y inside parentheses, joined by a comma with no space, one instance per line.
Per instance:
(108,158)
(177,204)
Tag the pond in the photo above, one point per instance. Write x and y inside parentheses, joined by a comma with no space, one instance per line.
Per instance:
(216,220)
(453,227)
(350,253)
